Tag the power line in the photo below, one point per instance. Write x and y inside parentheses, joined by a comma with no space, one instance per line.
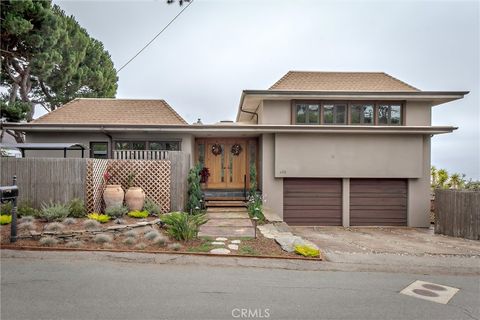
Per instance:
(156,36)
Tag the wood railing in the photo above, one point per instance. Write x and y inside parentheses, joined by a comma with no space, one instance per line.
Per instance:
(141,154)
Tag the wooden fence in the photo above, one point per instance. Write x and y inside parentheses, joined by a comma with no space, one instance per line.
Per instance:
(59,180)
(42,180)
(457,213)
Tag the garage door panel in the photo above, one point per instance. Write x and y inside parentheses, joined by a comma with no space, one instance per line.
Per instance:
(381,202)
(312,201)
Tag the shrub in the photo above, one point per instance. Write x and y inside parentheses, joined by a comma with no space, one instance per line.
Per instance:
(107,245)
(194,191)
(102,218)
(254,207)
(5,219)
(103,238)
(151,207)
(6,208)
(150,235)
(76,208)
(182,226)
(53,211)
(74,244)
(138,214)
(130,241)
(175,246)
(116,211)
(48,241)
(140,246)
(25,209)
(160,241)
(55,227)
(307,251)
(69,221)
(27,226)
(91,224)
(131,234)
(26,219)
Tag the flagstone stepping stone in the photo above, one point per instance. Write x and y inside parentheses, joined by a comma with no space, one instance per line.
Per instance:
(233,247)
(221,239)
(218,243)
(220,251)
(236,241)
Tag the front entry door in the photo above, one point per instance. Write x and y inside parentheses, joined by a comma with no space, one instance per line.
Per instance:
(228,167)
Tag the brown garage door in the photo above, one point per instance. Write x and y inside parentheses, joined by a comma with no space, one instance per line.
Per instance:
(314,202)
(378,202)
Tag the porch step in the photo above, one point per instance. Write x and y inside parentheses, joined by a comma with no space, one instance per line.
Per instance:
(225,198)
(224,203)
(227,209)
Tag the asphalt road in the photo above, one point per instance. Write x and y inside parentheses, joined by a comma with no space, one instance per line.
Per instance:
(69,287)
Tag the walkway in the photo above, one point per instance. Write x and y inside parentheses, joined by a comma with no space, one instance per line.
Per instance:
(227,222)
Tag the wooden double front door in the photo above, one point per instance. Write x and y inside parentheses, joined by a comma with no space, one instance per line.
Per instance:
(227,160)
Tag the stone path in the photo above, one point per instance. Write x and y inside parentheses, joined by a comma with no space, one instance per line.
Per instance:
(221,242)
(227,222)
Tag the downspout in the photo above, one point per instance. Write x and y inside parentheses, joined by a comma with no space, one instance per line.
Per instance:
(251,112)
(110,142)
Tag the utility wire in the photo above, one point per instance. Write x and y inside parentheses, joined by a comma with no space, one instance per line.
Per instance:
(156,36)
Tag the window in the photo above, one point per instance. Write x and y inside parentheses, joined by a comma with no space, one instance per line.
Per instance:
(334,114)
(164,145)
(361,114)
(144,145)
(307,114)
(389,114)
(99,150)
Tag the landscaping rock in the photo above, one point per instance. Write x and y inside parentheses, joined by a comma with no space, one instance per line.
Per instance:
(221,239)
(116,227)
(220,251)
(218,243)
(287,242)
(236,241)
(233,247)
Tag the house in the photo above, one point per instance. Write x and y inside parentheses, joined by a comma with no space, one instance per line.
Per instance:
(330,148)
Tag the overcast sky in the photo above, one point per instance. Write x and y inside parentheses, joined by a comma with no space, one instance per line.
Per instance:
(217,48)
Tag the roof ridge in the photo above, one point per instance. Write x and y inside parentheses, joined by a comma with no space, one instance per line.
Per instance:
(280,80)
(56,109)
(317,71)
(408,85)
(174,112)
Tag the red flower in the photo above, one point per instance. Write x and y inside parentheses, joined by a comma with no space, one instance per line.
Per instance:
(107,176)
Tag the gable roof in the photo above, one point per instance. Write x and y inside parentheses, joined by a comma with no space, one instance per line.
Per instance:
(340,81)
(113,111)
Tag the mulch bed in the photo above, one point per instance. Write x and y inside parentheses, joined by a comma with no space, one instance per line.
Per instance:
(260,247)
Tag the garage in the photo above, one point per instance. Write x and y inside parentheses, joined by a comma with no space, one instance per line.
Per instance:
(310,202)
(378,202)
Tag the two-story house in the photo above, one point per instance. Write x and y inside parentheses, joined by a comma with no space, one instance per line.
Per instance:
(330,148)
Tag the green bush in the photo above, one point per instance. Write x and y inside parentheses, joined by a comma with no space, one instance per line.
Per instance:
(138,214)
(6,208)
(151,207)
(102,218)
(254,207)
(182,226)
(116,211)
(76,207)
(53,211)
(194,191)
(25,208)
(5,219)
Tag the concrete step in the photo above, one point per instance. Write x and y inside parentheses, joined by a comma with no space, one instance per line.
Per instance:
(218,203)
(227,209)
(225,198)
(234,222)
(227,215)
(228,232)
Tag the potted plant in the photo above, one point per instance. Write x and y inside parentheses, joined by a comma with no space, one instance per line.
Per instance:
(135,196)
(204,174)
(113,193)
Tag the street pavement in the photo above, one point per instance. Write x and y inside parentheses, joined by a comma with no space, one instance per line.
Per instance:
(58,285)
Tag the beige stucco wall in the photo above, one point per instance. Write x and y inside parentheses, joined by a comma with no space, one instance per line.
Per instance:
(187,141)
(418,113)
(275,112)
(272,187)
(348,156)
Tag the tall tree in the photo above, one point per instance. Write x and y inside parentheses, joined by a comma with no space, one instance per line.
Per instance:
(48,59)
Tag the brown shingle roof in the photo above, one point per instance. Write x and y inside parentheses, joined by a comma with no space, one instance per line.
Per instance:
(340,81)
(113,111)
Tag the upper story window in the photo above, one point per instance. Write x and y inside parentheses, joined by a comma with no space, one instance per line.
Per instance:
(334,113)
(307,113)
(361,114)
(389,114)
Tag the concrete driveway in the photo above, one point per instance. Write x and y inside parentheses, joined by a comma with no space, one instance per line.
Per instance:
(393,246)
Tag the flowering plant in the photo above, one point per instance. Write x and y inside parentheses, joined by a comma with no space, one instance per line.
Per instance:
(204,174)
(107,176)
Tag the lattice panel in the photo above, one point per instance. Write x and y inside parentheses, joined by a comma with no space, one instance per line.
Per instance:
(95,184)
(153,176)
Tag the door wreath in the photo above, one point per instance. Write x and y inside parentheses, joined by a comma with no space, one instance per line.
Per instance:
(217,149)
(236,149)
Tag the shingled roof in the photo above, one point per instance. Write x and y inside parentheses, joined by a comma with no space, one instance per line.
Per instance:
(341,81)
(113,111)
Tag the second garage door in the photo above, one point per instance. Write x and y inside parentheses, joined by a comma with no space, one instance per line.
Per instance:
(378,202)
(312,202)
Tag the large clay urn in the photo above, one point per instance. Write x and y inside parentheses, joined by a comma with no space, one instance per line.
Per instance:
(113,195)
(135,197)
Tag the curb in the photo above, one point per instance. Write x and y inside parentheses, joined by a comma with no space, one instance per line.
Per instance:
(204,254)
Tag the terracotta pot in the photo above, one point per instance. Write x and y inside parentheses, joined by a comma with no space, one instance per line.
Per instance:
(113,195)
(135,197)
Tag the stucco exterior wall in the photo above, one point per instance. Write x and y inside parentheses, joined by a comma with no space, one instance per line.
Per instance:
(348,156)
(418,113)
(272,187)
(276,112)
